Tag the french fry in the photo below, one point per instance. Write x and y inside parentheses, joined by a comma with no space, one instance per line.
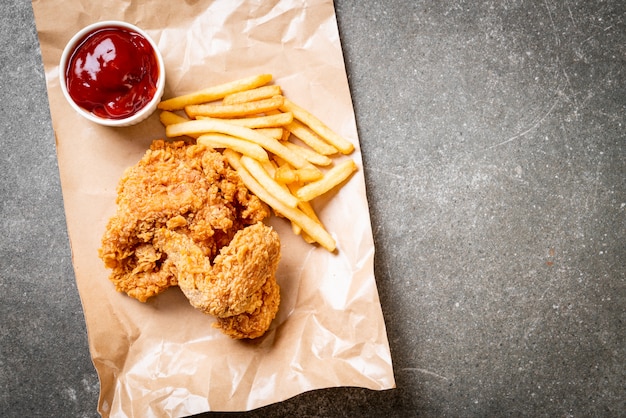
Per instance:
(234,110)
(296,229)
(215,93)
(270,167)
(317,126)
(260,174)
(287,175)
(286,133)
(315,230)
(170,118)
(307,136)
(278,114)
(276,133)
(258,93)
(308,210)
(216,140)
(206,126)
(269,121)
(332,178)
(303,206)
(309,155)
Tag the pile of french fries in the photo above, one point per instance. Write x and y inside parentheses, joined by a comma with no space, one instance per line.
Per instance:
(255,126)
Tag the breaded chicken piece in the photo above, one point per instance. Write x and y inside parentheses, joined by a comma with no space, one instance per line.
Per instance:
(230,285)
(239,287)
(184,187)
(254,324)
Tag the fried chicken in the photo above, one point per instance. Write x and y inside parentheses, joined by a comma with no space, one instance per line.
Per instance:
(184,198)
(254,324)
(239,287)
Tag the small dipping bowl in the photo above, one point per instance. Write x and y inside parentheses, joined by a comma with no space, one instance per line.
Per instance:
(107,73)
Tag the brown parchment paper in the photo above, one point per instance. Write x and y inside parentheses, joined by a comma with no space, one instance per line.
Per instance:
(163,358)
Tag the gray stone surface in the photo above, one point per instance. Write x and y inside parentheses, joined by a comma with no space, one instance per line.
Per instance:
(494,140)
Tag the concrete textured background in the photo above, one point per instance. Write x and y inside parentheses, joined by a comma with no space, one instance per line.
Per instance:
(494,142)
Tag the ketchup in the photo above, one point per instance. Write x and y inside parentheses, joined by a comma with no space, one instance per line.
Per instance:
(113,73)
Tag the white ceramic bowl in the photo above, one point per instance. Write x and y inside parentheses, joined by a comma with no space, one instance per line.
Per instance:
(137,117)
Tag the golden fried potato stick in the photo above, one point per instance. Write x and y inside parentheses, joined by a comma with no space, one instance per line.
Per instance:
(308,210)
(317,126)
(309,155)
(271,166)
(293,188)
(270,121)
(207,126)
(218,110)
(312,228)
(286,133)
(215,92)
(295,228)
(331,178)
(169,118)
(276,133)
(303,206)
(242,146)
(259,93)
(307,136)
(287,175)
(258,172)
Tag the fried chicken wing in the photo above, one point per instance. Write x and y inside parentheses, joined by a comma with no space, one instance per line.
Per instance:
(254,324)
(239,288)
(232,284)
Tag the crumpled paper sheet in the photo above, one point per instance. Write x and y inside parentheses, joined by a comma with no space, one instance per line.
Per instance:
(163,358)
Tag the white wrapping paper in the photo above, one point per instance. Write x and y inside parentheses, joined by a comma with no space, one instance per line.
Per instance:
(163,357)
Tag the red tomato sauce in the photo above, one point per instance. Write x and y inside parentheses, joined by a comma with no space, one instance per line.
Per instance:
(112,73)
